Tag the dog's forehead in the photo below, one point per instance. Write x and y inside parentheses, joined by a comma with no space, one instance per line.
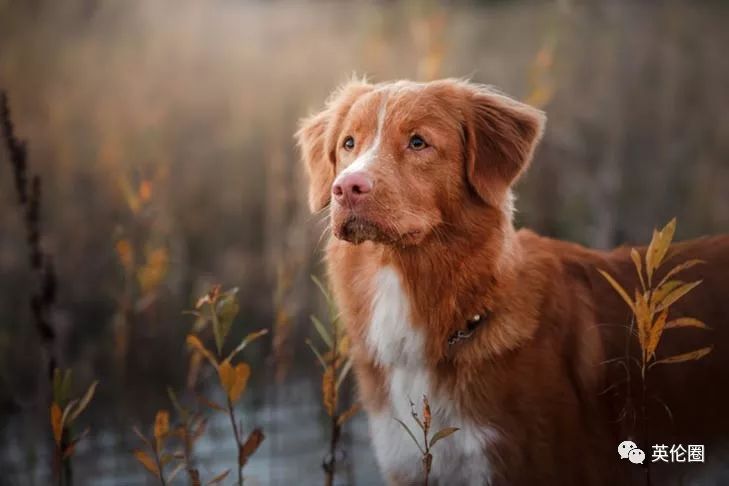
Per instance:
(397,103)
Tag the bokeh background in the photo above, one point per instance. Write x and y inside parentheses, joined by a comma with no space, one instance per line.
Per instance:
(162,132)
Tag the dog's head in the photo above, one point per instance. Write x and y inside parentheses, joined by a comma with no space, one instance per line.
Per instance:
(395,161)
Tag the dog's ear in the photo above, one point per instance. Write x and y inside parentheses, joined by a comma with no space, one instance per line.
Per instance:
(500,137)
(317,137)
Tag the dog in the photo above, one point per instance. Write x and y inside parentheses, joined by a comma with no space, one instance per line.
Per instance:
(514,338)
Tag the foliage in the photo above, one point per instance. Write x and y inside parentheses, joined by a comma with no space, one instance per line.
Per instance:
(336,364)
(63,413)
(218,310)
(652,302)
(428,440)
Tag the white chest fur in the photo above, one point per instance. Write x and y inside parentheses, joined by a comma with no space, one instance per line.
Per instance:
(398,347)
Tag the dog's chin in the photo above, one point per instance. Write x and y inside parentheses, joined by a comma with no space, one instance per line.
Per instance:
(357,229)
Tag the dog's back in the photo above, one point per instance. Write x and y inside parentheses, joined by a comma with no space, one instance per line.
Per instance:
(686,403)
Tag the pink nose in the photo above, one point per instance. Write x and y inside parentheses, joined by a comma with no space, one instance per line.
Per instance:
(351,188)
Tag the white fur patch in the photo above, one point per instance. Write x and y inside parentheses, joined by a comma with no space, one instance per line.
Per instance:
(366,158)
(395,344)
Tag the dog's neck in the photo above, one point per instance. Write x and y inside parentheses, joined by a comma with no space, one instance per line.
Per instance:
(456,273)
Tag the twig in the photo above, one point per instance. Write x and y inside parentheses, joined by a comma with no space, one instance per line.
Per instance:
(44,293)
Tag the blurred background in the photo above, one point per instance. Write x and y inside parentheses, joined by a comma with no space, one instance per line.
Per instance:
(162,132)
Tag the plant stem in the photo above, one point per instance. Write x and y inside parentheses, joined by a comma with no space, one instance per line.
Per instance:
(330,467)
(231,414)
(157,459)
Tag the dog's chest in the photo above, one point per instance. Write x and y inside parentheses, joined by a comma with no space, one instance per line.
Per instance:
(399,348)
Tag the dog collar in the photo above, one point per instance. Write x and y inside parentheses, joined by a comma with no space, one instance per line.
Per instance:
(472,324)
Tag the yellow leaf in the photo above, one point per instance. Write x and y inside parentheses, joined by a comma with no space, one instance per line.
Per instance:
(690,356)
(329,391)
(662,291)
(618,288)
(161,426)
(654,335)
(638,265)
(643,317)
(146,461)
(195,343)
(658,247)
(351,412)
(84,402)
(686,322)
(677,293)
(56,423)
(680,268)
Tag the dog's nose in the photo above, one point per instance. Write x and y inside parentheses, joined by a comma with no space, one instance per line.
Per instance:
(351,188)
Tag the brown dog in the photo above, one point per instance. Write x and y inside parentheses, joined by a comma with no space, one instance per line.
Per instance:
(510,335)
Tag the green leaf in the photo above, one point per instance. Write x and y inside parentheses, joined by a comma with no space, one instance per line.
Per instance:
(84,402)
(227,309)
(442,434)
(345,370)
(323,333)
(175,471)
(316,352)
(410,432)
(181,411)
(323,290)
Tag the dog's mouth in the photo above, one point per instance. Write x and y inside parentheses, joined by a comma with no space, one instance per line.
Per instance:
(357,229)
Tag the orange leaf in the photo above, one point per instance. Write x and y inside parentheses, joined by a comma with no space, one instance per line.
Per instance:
(426,415)
(217,479)
(161,426)
(195,343)
(241,374)
(146,461)
(351,412)
(654,335)
(329,391)
(56,423)
(250,446)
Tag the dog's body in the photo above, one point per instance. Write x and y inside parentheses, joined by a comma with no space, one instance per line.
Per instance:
(420,176)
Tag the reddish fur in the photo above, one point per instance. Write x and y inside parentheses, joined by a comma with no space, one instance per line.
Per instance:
(534,371)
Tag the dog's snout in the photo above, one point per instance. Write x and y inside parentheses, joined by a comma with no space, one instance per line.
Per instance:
(350,189)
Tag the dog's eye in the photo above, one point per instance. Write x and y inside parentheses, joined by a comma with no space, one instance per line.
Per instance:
(417,143)
(348,143)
